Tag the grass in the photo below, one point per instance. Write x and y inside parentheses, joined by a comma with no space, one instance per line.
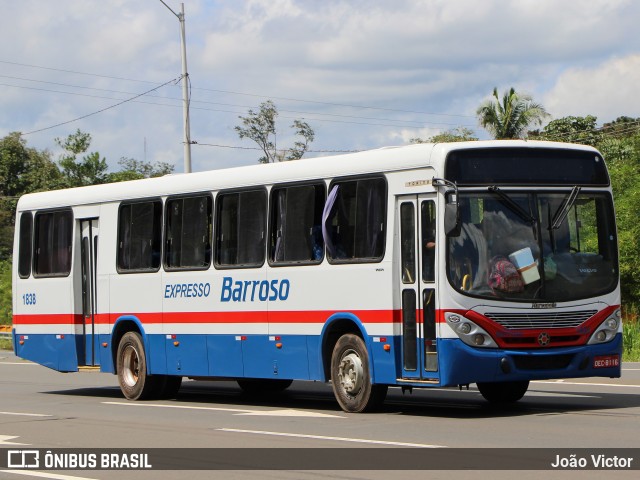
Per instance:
(631,334)
(6,344)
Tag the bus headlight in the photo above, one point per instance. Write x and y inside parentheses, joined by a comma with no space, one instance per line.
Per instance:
(469,332)
(607,330)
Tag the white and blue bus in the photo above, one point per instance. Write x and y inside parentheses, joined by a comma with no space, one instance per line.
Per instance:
(429,265)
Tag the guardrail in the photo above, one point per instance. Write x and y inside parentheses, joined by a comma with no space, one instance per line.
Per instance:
(5,331)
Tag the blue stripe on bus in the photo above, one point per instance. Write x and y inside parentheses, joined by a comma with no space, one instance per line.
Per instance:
(299,358)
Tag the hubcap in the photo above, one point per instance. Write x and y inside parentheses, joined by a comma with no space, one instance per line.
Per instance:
(351,373)
(130,364)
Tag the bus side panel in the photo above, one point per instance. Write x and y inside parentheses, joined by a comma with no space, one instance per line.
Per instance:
(225,355)
(290,356)
(384,361)
(57,352)
(135,297)
(157,354)
(106,358)
(43,323)
(314,358)
(315,300)
(186,354)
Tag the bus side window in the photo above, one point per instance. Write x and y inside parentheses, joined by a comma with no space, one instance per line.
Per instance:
(357,220)
(25,245)
(52,251)
(295,224)
(240,228)
(188,232)
(139,236)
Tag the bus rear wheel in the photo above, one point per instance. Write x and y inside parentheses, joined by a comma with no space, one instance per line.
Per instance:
(350,376)
(503,392)
(131,364)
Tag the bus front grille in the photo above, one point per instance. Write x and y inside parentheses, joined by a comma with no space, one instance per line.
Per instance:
(526,321)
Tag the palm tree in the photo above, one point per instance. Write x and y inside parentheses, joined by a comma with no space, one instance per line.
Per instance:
(511,117)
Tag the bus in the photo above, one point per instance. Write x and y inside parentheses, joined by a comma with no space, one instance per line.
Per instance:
(429,265)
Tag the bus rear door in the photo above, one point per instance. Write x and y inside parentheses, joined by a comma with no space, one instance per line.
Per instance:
(89,256)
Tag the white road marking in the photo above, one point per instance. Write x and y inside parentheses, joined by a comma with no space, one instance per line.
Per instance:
(336,439)
(289,412)
(18,363)
(533,393)
(584,384)
(26,414)
(4,440)
(235,411)
(54,476)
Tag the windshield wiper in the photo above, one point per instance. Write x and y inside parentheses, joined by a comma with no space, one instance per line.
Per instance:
(513,206)
(563,209)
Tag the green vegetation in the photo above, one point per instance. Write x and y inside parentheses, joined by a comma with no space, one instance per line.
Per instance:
(26,170)
(6,344)
(631,334)
(260,127)
(511,117)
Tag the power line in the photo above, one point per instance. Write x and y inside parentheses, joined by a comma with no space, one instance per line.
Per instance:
(254,95)
(104,109)
(398,123)
(237,147)
(75,72)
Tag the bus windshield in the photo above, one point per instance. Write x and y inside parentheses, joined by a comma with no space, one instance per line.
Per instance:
(534,246)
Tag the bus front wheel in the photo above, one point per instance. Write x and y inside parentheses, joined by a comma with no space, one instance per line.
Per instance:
(503,392)
(350,376)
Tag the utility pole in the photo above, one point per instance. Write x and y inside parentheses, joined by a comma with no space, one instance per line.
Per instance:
(185,89)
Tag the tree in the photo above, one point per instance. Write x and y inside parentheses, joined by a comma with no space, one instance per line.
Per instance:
(261,128)
(132,169)
(22,170)
(623,159)
(458,134)
(91,170)
(570,129)
(510,117)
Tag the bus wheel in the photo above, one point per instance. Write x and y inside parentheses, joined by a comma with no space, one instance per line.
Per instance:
(132,369)
(503,392)
(259,385)
(350,376)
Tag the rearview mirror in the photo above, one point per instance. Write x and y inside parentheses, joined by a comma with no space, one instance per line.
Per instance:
(451,216)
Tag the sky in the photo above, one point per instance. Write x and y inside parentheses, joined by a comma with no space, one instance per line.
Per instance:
(364,73)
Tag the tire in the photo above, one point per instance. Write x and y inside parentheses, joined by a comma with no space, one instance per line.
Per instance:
(265,386)
(350,377)
(503,392)
(134,381)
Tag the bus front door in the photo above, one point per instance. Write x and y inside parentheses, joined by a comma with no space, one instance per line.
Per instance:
(417,214)
(89,254)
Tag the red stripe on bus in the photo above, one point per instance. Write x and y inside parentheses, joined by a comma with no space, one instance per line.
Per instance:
(303,317)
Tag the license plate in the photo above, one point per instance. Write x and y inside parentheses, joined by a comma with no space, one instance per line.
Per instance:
(606,361)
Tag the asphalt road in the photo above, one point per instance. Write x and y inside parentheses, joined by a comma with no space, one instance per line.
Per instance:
(40,408)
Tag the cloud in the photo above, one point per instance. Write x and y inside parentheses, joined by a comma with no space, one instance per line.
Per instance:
(607,90)
(415,67)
